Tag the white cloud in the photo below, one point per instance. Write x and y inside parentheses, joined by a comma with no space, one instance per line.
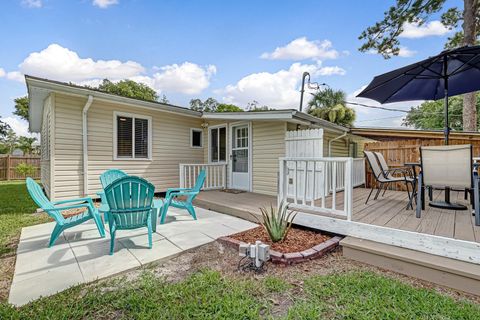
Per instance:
(59,63)
(104,3)
(330,71)
(2,72)
(32,3)
(415,31)
(15,75)
(404,52)
(18,125)
(276,90)
(62,64)
(301,49)
(188,78)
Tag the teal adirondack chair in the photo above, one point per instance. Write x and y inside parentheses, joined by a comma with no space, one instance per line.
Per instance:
(108,177)
(130,201)
(171,198)
(54,210)
(111,175)
(105,179)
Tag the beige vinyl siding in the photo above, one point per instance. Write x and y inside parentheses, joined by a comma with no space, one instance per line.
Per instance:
(339,147)
(268,146)
(170,146)
(68,177)
(46,145)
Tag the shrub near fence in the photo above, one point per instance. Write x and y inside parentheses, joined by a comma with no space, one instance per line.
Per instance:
(8,164)
(399,152)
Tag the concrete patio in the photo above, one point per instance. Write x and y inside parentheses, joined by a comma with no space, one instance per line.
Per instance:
(81,256)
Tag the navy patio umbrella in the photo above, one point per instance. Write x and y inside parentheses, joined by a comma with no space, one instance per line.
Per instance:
(450,73)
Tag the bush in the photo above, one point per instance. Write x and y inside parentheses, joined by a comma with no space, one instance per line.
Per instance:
(25,169)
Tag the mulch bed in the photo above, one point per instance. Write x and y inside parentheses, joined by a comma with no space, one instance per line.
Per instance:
(297,239)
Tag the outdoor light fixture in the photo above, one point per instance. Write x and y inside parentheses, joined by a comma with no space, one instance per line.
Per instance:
(204,125)
(310,85)
(253,256)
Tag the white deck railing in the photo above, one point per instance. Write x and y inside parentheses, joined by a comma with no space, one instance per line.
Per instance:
(315,184)
(216,175)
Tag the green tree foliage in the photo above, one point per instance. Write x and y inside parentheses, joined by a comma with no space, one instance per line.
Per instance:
(254,106)
(383,36)
(3,129)
(329,104)
(21,107)
(129,88)
(26,144)
(212,105)
(222,107)
(9,141)
(430,114)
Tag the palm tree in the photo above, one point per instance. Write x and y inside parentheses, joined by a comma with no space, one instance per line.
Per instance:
(330,105)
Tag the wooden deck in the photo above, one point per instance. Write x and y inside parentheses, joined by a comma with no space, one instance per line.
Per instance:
(443,246)
(390,211)
(387,211)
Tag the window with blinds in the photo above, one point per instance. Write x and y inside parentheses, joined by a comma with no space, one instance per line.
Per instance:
(141,138)
(132,137)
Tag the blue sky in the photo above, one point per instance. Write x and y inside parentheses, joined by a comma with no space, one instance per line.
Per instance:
(234,51)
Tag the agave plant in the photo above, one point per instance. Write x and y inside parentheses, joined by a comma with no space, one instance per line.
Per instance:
(277,221)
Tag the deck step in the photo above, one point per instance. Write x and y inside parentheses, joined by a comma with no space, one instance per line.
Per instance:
(448,272)
(226,209)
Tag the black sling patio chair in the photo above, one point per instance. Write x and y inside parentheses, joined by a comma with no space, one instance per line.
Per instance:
(385,177)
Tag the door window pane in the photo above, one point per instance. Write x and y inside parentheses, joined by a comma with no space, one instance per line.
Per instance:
(218,144)
(222,153)
(214,145)
(240,160)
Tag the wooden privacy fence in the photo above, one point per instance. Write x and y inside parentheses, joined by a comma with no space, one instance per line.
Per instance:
(8,164)
(399,152)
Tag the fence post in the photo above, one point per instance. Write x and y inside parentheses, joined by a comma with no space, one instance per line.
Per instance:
(8,165)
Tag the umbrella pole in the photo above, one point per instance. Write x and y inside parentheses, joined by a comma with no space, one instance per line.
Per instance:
(445,81)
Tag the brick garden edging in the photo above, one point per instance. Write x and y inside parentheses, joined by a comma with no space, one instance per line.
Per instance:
(293,257)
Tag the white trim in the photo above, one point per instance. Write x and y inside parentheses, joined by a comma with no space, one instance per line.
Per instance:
(446,247)
(191,138)
(85,143)
(243,116)
(209,153)
(133,116)
(250,154)
(52,146)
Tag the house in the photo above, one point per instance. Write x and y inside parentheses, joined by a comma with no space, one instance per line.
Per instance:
(281,155)
(85,132)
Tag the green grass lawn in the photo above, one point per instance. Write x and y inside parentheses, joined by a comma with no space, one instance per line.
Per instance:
(16,208)
(209,295)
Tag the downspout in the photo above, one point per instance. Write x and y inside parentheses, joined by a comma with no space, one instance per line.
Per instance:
(334,139)
(85,143)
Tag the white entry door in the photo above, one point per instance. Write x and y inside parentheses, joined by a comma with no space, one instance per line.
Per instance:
(239,169)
